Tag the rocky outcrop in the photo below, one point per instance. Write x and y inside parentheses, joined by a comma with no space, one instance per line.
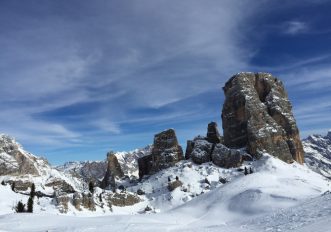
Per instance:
(213,136)
(258,115)
(77,200)
(123,199)
(210,148)
(165,153)
(60,185)
(113,170)
(204,151)
(318,153)
(13,160)
(88,201)
(19,185)
(62,202)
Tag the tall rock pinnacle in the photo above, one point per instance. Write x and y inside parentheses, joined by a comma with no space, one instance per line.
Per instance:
(258,115)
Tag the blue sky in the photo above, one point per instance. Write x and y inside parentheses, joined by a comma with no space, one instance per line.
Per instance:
(79,78)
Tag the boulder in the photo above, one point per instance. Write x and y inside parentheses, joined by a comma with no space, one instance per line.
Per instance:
(258,115)
(202,150)
(227,158)
(166,152)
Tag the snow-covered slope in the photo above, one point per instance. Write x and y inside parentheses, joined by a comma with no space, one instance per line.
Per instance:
(276,197)
(24,169)
(318,153)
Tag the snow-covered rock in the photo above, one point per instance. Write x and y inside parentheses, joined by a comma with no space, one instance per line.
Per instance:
(87,170)
(318,153)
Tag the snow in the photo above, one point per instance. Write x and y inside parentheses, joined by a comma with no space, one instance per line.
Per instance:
(276,197)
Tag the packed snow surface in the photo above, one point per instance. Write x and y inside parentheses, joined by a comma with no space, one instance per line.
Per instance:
(276,197)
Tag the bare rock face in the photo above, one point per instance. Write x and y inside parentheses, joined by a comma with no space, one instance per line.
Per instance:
(258,115)
(213,136)
(166,153)
(113,170)
(13,160)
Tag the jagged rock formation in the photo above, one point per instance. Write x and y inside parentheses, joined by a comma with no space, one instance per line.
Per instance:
(13,160)
(213,136)
(86,170)
(123,165)
(210,148)
(165,153)
(258,115)
(318,153)
(113,170)
(129,161)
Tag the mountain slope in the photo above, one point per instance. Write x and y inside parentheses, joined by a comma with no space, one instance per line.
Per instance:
(276,197)
(318,153)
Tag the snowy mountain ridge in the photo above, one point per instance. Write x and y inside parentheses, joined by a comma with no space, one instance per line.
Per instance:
(318,153)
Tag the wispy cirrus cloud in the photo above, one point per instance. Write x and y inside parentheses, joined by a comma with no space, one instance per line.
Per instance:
(90,74)
(295,27)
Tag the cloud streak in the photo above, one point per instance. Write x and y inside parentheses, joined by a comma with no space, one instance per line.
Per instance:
(80,73)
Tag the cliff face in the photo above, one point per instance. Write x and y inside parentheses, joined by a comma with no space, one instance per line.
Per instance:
(258,115)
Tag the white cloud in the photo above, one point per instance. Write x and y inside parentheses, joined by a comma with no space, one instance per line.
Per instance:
(295,27)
